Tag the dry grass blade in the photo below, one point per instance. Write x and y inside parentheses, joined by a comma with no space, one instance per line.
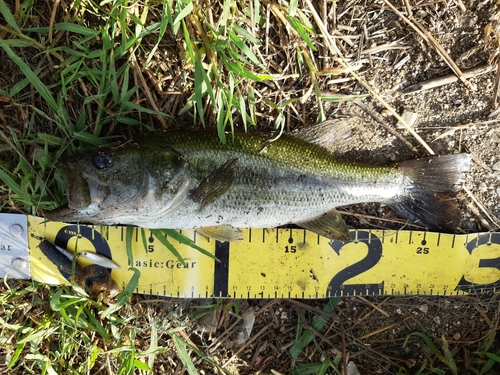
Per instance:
(496,86)
(250,341)
(138,74)
(492,39)
(339,59)
(408,8)
(402,222)
(478,161)
(415,25)
(461,5)
(482,208)
(384,313)
(466,126)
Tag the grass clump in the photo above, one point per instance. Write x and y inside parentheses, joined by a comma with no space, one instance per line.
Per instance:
(66,334)
(47,330)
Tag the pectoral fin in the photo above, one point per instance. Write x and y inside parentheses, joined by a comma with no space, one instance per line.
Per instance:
(222,233)
(330,225)
(216,184)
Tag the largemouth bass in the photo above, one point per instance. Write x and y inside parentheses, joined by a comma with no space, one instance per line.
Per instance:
(188,179)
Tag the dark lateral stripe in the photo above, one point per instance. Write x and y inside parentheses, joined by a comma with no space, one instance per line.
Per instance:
(221,269)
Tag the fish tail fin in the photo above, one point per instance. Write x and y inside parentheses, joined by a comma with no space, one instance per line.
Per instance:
(430,189)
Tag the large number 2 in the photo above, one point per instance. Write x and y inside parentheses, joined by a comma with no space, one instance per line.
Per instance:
(336,286)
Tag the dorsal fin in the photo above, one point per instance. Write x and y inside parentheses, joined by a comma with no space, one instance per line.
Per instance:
(333,135)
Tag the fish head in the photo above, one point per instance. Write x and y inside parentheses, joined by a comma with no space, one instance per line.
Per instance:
(110,182)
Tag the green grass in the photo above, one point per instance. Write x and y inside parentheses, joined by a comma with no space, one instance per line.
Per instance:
(68,326)
(445,357)
(71,334)
(305,337)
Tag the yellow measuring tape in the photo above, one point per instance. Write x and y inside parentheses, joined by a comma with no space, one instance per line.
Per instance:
(285,263)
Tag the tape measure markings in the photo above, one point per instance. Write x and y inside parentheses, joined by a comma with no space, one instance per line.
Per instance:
(221,269)
(292,263)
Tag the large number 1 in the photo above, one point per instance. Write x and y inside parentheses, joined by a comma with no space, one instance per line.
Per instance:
(336,286)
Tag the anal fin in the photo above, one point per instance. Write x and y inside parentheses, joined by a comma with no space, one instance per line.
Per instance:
(222,233)
(329,225)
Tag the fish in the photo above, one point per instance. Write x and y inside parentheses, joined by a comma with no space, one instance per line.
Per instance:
(189,179)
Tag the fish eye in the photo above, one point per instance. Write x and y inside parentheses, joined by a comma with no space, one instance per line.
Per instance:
(102,162)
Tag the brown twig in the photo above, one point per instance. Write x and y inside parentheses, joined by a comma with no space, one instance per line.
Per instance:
(305,306)
(52,19)
(478,215)
(483,314)
(447,79)
(385,328)
(223,337)
(377,118)
(367,315)
(384,313)
(371,217)
(345,354)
